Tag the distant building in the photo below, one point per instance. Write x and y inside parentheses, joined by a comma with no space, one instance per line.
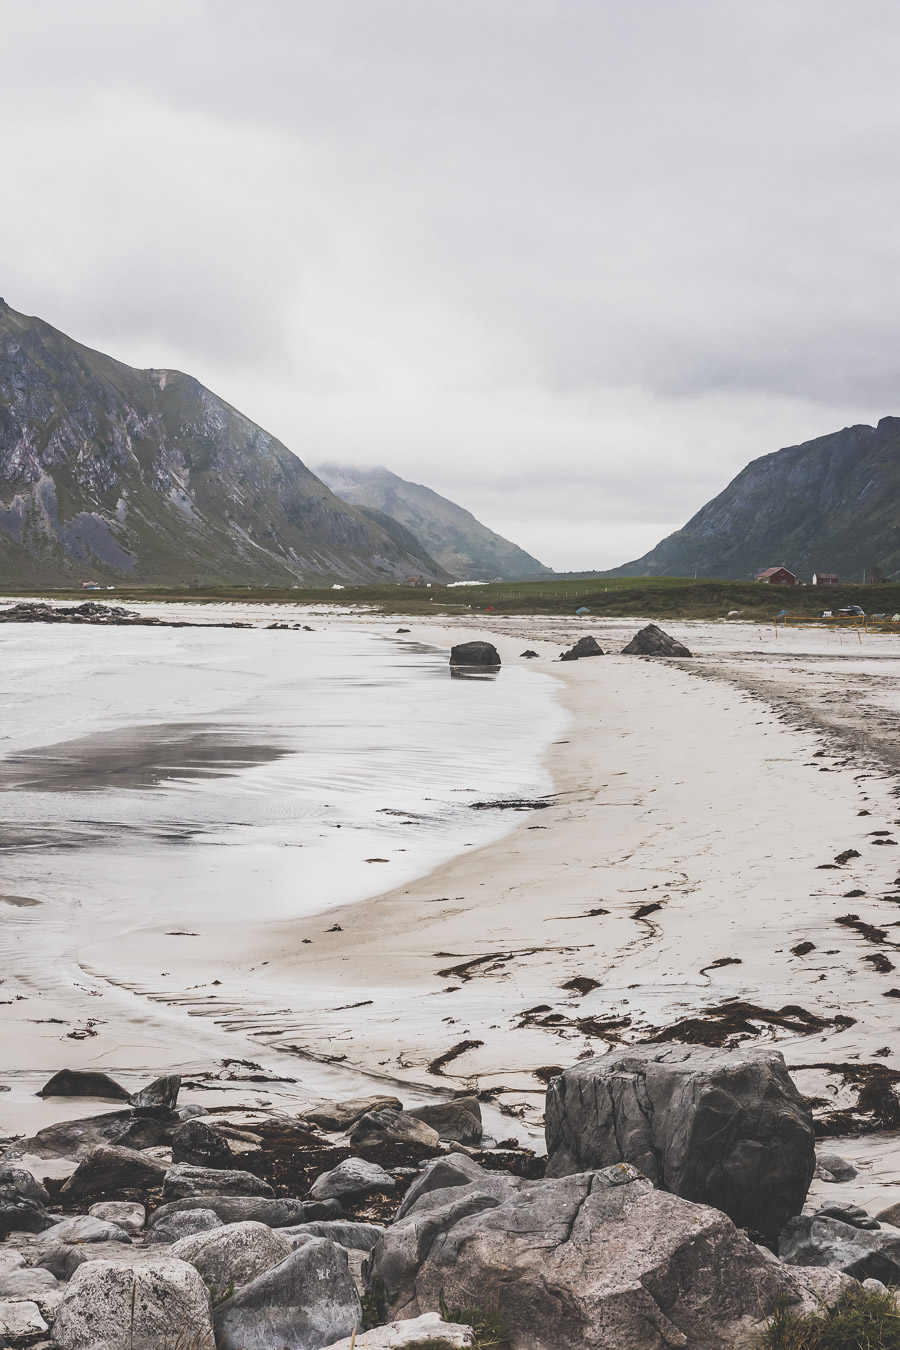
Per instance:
(777,576)
(825,578)
(415,581)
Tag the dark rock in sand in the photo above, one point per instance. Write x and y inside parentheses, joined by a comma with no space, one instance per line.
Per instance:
(341,1115)
(82,1083)
(238,1208)
(307,1301)
(529,655)
(652,641)
(829,1167)
(586,646)
(162,1092)
(474,654)
(456,1122)
(196,1142)
(392,1127)
(817,1240)
(723,1128)
(587,1261)
(108,1169)
(351,1178)
(184,1180)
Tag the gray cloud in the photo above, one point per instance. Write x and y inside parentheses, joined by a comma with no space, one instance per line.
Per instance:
(571,263)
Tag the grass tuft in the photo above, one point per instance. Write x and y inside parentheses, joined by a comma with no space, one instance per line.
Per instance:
(863,1320)
(491,1330)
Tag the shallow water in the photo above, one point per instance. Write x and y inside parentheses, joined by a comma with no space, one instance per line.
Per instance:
(169,778)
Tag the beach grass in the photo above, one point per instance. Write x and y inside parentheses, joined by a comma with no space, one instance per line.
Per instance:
(864,1320)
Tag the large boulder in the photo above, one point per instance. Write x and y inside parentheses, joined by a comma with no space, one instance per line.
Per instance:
(161,1094)
(161,1303)
(238,1208)
(307,1301)
(457,1121)
(392,1127)
(20,1318)
(428,1330)
(586,646)
(233,1255)
(197,1143)
(69,1138)
(83,1083)
(474,654)
(820,1240)
(723,1128)
(652,641)
(185,1180)
(336,1116)
(351,1179)
(591,1261)
(107,1170)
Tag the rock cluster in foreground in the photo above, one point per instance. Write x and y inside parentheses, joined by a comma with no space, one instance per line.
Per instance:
(666,1165)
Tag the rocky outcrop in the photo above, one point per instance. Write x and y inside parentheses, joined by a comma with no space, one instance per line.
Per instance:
(183,1181)
(341,1115)
(474,654)
(586,646)
(306,1302)
(652,641)
(108,1306)
(672,1273)
(458,1121)
(392,1127)
(351,1178)
(722,1128)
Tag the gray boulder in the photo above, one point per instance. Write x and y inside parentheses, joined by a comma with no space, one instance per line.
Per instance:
(819,1240)
(84,1228)
(339,1116)
(68,1137)
(428,1330)
(351,1178)
(24,1183)
(185,1180)
(723,1128)
(184,1223)
(108,1169)
(359,1237)
(19,1214)
(474,654)
(586,646)
(238,1208)
(20,1319)
(145,1307)
(83,1083)
(652,641)
(855,1215)
(448,1178)
(307,1301)
(830,1167)
(162,1093)
(457,1122)
(392,1127)
(591,1261)
(232,1255)
(197,1143)
(29,1282)
(126,1214)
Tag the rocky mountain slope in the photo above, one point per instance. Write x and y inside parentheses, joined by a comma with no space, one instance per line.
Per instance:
(828,505)
(451,535)
(145,475)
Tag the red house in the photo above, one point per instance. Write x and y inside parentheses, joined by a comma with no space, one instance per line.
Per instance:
(777,576)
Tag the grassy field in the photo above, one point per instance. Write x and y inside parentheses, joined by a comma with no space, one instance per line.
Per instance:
(653,597)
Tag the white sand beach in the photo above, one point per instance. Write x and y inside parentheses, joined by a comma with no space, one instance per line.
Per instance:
(687,849)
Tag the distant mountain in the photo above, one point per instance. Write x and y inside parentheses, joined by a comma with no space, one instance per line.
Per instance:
(114,473)
(451,535)
(829,505)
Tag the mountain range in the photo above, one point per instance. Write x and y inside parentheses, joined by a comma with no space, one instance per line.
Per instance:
(112,473)
(829,505)
(452,536)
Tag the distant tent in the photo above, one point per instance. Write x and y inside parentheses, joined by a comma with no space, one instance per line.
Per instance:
(583,610)
(489,609)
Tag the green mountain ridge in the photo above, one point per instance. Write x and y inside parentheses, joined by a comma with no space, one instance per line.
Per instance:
(829,505)
(113,473)
(451,535)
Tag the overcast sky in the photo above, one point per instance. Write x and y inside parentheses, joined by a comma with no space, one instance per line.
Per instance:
(572,263)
